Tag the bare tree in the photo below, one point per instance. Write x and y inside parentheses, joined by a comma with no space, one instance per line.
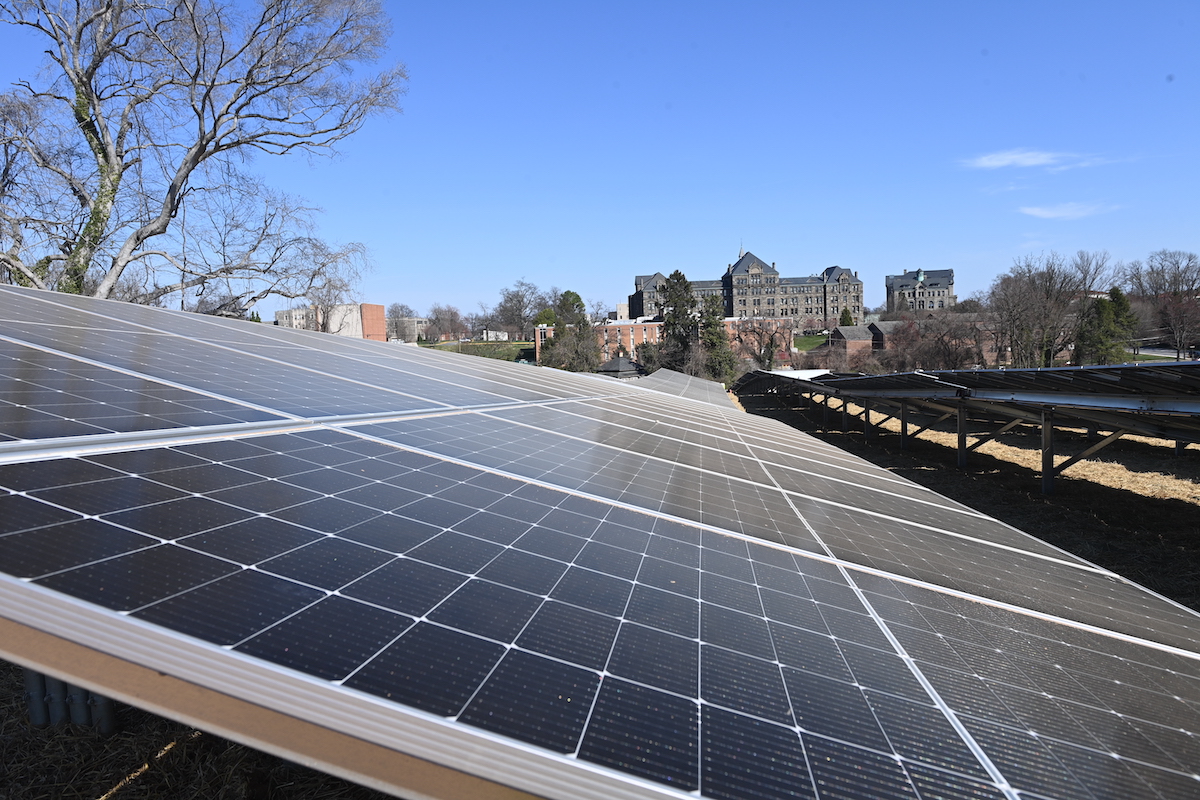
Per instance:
(400,323)
(445,322)
(334,304)
(518,305)
(242,242)
(902,344)
(154,101)
(598,312)
(1169,282)
(1034,306)
(762,340)
(947,341)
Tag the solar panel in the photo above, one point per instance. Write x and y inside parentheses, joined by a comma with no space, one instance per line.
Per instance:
(689,386)
(439,575)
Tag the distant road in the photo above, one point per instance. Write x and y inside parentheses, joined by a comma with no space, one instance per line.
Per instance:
(1166,352)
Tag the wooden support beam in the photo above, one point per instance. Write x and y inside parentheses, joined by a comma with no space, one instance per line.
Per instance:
(903,425)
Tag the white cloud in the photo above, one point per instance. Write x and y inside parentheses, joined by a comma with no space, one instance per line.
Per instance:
(1065,210)
(1017,158)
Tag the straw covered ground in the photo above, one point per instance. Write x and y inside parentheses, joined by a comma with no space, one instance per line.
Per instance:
(150,758)
(1135,509)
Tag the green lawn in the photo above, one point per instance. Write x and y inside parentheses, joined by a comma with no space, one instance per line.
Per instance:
(504,351)
(809,342)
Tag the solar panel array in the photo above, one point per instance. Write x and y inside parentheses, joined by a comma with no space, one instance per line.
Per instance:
(550,582)
(689,386)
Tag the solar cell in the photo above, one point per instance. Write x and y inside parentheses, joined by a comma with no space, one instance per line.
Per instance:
(566,585)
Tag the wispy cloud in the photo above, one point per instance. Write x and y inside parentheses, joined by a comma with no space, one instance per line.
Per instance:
(1083,161)
(1065,210)
(1018,158)
(1004,188)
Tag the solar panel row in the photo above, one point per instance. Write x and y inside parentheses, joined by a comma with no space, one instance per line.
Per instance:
(560,584)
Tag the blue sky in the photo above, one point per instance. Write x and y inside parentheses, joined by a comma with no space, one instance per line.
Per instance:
(579,144)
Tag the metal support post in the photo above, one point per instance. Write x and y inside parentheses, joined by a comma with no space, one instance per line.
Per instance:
(56,700)
(1048,450)
(962,436)
(104,715)
(77,705)
(903,424)
(35,698)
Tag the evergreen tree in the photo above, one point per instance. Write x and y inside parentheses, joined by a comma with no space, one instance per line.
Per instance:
(649,356)
(574,346)
(679,320)
(720,362)
(847,317)
(1107,325)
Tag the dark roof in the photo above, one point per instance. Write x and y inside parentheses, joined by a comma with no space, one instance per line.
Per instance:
(831,274)
(648,281)
(620,367)
(931,277)
(855,332)
(747,261)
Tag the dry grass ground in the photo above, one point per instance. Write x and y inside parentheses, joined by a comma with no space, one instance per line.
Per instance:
(1135,511)
(150,758)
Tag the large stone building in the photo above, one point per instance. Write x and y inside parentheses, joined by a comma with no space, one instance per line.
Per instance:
(921,290)
(753,288)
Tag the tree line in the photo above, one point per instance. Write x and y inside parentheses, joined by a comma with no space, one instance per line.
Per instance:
(520,309)
(693,338)
(1052,309)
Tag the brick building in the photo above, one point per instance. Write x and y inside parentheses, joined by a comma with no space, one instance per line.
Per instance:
(626,337)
